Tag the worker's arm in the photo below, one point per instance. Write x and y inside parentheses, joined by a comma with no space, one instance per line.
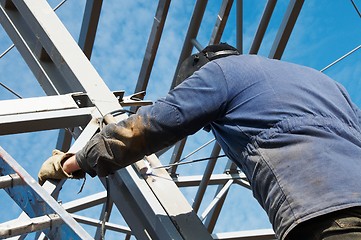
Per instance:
(193,104)
(71,165)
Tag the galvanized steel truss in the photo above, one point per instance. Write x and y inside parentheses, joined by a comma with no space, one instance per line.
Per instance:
(152,206)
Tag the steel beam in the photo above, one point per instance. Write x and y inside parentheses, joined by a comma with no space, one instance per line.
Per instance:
(26,42)
(16,227)
(140,207)
(97,223)
(35,201)
(31,122)
(64,140)
(214,213)
(176,155)
(206,177)
(152,45)
(239,25)
(89,26)
(262,26)
(38,104)
(221,21)
(217,198)
(42,113)
(145,200)
(68,66)
(86,42)
(192,32)
(25,224)
(10,180)
(285,30)
(186,51)
(175,203)
(260,234)
(215,179)
(156,204)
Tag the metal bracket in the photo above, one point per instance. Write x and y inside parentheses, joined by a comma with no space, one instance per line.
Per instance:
(135,99)
(82,100)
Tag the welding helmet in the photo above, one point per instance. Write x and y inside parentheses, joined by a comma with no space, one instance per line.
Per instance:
(197,60)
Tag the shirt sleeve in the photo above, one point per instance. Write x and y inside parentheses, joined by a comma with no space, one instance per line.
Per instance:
(196,102)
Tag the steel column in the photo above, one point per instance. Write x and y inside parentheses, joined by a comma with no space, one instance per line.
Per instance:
(152,45)
(285,30)
(262,27)
(165,220)
(35,201)
(239,25)
(192,32)
(207,175)
(89,26)
(221,21)
(261,234)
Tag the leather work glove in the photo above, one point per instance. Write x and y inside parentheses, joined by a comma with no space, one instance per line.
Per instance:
(52,168)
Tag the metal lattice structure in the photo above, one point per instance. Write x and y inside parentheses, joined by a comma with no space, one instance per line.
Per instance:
(153,206)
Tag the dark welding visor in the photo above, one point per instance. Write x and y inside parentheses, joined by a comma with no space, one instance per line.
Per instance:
(196,61)
(191,64)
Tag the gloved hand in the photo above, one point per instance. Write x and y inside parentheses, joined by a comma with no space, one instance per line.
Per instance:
(52,168)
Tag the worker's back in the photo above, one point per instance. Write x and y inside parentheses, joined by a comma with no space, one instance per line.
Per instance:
(295,134)
(293,131)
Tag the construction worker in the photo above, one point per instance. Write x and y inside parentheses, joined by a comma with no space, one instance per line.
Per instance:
(292,130)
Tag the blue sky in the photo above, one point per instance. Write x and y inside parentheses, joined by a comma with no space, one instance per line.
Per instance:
(325,31)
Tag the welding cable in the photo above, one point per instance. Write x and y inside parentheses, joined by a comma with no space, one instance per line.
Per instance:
(120,111)
(114,114)
(82,185)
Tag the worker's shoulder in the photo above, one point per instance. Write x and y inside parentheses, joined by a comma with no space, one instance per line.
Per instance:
(251,62)
(243,62)
(241,59)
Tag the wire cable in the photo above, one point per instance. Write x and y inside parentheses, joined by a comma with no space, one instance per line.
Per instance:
(341,58)
(7,50)
(354,5)
(10,90)
(198,149)
(189,162)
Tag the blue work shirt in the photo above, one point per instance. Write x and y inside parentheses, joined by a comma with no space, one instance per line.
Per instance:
(292,130)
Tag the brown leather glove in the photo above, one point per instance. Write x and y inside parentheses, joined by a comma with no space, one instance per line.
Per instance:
(52,168)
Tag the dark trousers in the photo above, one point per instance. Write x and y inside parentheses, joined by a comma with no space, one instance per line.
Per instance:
(340,225)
